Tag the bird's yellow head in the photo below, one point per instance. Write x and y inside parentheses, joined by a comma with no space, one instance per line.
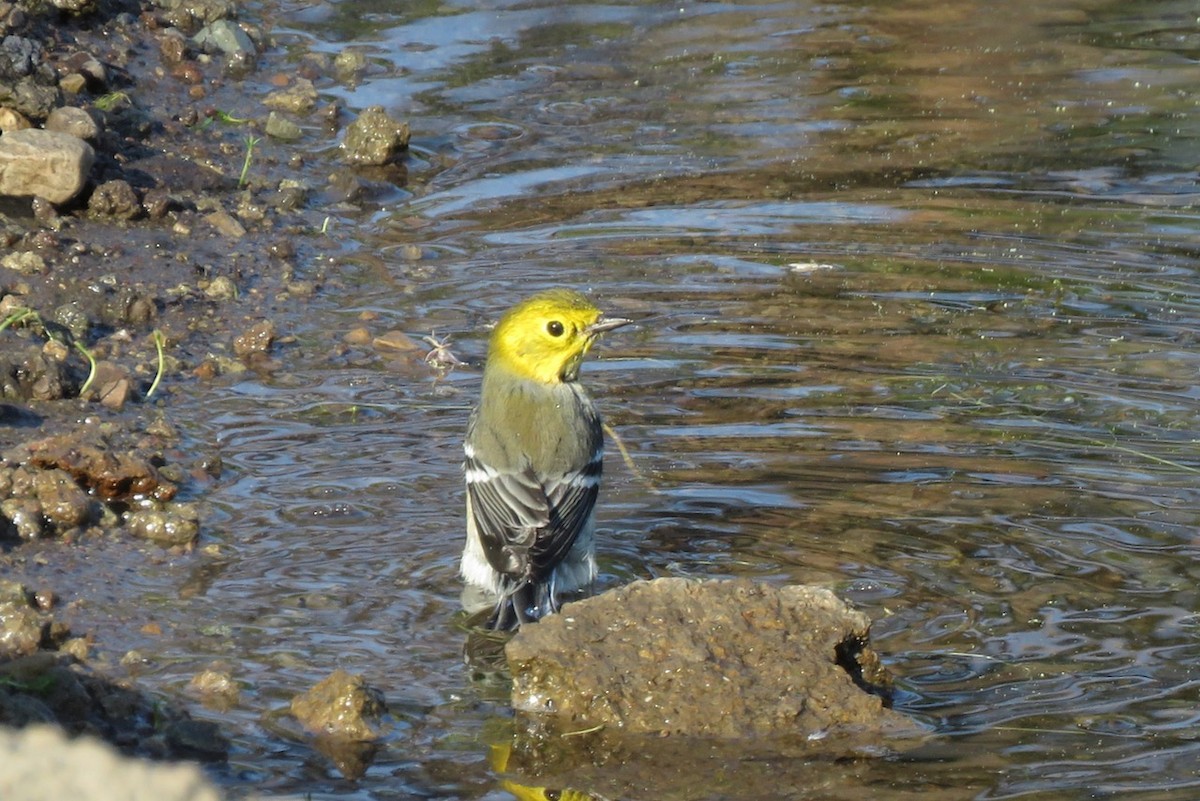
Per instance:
(544,338)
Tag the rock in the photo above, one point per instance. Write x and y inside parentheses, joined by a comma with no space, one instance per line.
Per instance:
(221,287)
(48,164)
(157,202)
(24,262)
(299,98)
(224,36)
(111,474)
(176,525)
(19,56)
(64,503)
(89,67)
(75,7)
(292,194)
(396,340)
(27,83)
(115,199)
(74,122)
(78,648)
(73,83)
(172,45)
(350,64)
(374,138)
(13,120)
(41,762)
(112,384)
(197,739)
(226,224)
(256,339)
(280,127)
(24,517)
(359,335)
(33,374)
(74,318)
(14,592)
(46,215)
(713,659)
(341,706)
(185,13)
(21,629)
(216,688)
(30,98)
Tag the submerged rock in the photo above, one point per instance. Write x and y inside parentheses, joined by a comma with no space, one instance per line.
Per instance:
(224,36)
(257,339)
(374,138)
(279,127)
(341,706)
(299,98)
(723,659)
(216,688)
(168,525)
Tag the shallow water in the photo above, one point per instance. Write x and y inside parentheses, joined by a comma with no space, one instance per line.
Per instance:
(918,284)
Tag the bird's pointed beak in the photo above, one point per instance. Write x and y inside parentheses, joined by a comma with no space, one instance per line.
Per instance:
(606,324)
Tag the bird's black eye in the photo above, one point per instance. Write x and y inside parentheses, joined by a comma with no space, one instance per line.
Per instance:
(555,328)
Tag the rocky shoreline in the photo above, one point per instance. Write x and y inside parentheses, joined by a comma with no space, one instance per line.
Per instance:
(156,211)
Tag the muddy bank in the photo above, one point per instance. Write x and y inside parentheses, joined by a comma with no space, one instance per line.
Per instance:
(48,693)
(162,204)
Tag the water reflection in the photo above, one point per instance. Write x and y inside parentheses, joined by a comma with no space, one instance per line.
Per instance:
(919,288)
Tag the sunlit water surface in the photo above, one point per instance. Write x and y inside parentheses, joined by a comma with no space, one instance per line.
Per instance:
(918,284)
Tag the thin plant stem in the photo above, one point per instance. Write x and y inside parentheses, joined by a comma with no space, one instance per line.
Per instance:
(17,316)
(91,371)
(251,141)
(159,341)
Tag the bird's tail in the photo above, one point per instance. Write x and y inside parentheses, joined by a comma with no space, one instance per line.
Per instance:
(523,603)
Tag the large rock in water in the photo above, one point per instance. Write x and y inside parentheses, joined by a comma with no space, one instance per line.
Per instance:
(712,659)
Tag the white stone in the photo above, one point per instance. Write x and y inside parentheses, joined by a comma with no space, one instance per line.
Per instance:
(48,164)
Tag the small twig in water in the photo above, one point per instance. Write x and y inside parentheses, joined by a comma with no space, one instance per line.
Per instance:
(441,358)
(581,732)
(628,459)
(1148,456)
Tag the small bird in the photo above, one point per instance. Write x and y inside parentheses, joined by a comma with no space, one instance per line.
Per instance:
(534,453)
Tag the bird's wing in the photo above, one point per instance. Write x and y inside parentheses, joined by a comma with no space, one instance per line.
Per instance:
(509,508)
(527,526)
(572,499)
